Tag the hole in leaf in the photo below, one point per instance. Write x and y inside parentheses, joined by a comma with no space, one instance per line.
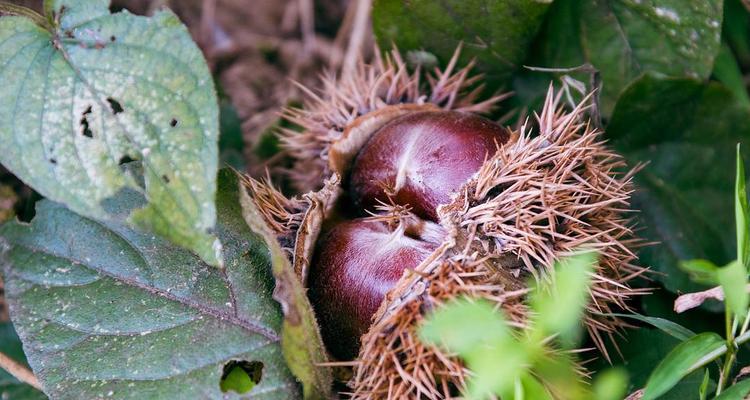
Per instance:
(165,178)
(173,123)
(241,376)
(85,129)
(124,160)
(115,106)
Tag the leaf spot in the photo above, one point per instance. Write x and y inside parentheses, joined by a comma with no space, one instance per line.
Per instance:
(85,129)
(115,106)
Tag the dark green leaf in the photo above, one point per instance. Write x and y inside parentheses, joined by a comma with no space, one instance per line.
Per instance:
(495,33)
(104,310)
(728,72)
(625,39)
(678,363)
(736,30)
(10,387)
(101,88)
(687,132)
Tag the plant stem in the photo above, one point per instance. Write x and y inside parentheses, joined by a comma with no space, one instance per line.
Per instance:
(730,324)
(20,372)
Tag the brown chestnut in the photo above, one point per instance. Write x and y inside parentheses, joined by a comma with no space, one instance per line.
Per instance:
(422,159)
(354,266)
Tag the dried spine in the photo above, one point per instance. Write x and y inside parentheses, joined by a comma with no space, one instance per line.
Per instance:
(552,189)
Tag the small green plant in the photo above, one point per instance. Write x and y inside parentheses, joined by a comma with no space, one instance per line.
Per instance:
(537,362)
(699,351)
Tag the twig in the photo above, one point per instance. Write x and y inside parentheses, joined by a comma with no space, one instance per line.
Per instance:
(359,29)
(21,373)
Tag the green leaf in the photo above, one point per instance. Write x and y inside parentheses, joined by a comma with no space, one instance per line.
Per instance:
(493,377)
(733,280)
(728,72)
(301,340)
(610,385)
(641,350)
(736,29)
(495,33)
(678,363)
(10,387)
(671,328)
(741,214)
(99,89)
(687,132)
(462,325)
(703,390)
(701,271)
(104,310)
(625,39)
(558,304)
(738,391)
(241,379)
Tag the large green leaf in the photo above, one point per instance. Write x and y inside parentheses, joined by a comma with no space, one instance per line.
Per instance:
(624,39)
(10,387)
(104,310)
(678,363)
(687,132)
(496,33)
(97,89)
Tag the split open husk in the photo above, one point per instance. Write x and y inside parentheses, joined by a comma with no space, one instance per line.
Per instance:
(554,188)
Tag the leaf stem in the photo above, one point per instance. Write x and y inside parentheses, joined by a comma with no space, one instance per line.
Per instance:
(7,8)
(20,372)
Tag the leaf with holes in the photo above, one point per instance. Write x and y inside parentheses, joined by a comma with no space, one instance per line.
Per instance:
(97,89)
(104,310)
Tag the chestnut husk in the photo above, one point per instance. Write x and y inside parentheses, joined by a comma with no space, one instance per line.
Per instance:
(554,188)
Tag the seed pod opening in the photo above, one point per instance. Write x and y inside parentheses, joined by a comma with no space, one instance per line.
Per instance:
(549,187)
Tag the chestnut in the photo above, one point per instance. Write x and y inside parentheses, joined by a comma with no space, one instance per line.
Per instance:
(421,159)
(354,266)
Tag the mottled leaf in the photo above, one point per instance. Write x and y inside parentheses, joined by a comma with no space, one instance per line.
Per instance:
(300,340)
(97,89)
(495,33)
(687,132)
(107,311)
